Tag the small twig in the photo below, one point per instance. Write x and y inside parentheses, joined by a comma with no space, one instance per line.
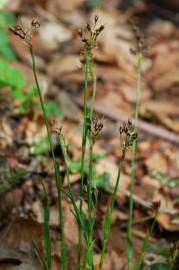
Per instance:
(143,125)
(170,211)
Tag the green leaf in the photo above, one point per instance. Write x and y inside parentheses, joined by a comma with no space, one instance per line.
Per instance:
(27,99)
(7,52)
(52,108)
(159,266)
(6,18)
(93,3)
(99,156)
(10,76)
(102,181)
(130,250)
(3,38)
(40,147)
(74,166)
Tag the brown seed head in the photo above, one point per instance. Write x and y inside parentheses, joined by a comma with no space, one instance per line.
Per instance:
(25,34)
(90,38)
(95,127)
(18,31)
(140,46)
(35,23)
(155,205)
(88,27)
(127,135)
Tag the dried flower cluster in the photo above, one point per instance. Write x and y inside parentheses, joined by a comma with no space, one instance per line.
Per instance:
(93,33)
(25,34)
(95,127)
(140,46)
(127,135)
(155,206)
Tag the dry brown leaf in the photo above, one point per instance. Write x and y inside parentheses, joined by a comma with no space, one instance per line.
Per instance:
(64,65)
(172,124)
(70,226)
(166,221)
(56,6)
(160,108)
(157,162)
(52,34)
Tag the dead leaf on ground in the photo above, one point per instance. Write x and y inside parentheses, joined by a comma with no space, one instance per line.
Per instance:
(166,221)
(157,162)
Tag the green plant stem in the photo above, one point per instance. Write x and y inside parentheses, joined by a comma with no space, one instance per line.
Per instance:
(89,255)
(84,139)
(108,216)
(174,257)
(145,245)
(130,251)
(47,235)
(58,179)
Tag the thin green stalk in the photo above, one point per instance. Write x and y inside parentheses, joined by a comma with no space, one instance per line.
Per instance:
(145,245)
(108,216)
(130,251)
(47,238)
(58,179)
(174,258)
(89,255)
(84,139)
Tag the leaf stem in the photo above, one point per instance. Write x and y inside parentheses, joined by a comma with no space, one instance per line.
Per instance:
(130,251)
(58,179)
(108,216)
(84,139)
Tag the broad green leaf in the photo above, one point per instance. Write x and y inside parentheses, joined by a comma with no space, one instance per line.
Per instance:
(52,108)
(27,99)
(93,3)
(40,147)
(74,166)
(159,266)
(6,18)
(10,76)
(3,38)
(102,181)
(7,52)
(99,156)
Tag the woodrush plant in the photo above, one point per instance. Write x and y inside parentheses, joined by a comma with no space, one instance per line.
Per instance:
(26,36)
(92,127)
(127,136)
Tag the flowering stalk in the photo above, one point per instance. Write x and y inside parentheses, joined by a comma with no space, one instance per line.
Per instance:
(26,36)
(127,136)
(84,139)
(90,43)
(90,181)
(47,235)
(139,52)
(58,178)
